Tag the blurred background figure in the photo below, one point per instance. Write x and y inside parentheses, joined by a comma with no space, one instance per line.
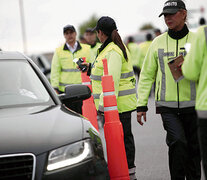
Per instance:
(82,40)
(134,51)
(63,70)
(157,32)
(202,21)
(144,46)
(91,39)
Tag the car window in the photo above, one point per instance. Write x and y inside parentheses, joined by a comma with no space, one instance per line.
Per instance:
(20,85)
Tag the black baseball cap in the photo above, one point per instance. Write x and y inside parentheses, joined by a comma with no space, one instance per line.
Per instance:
(172,7)
(69,27)
(105,24)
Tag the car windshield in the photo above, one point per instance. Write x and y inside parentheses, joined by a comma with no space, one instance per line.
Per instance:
(20,85)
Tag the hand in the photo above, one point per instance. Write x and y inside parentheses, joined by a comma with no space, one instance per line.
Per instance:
(84,63)
(179,66)
(139,117)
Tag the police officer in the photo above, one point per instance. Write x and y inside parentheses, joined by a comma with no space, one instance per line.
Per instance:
(120,67)
(157,32)
(195,68)
(175,101)
(144,46)
(134,51)
(63,70)
(90,37)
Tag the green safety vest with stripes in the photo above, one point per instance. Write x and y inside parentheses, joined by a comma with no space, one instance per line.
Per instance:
(126,100)
(63,70)
(134,51)
(168,93)
(195,68)
(144,46)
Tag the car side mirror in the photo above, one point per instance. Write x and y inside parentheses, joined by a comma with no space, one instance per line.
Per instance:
(76,92)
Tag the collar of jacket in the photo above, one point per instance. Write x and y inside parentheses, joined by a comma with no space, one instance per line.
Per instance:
(93,45)
(104,45)
(77,49)
(178,34)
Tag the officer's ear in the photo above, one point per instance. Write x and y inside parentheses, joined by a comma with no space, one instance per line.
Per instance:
(184,14)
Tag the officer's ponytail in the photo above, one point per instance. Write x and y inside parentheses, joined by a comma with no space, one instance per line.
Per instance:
(117,40)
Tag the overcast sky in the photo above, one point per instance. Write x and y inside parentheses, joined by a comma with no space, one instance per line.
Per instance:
(45,19)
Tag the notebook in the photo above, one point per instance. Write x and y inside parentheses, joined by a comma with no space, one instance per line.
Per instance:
(175,69)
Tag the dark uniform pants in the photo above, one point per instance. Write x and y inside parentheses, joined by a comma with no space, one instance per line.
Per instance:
(182,139)
(202,132)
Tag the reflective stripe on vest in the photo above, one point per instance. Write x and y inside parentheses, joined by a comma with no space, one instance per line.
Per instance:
(95,77)
(174,104)
(112,108)
(161,55)
(108,93)
(63,84)
(127,92)
(96,96)
(70,70)
(121,93)
(168,53)
(202,114)
(193,91)
(123,76)
(86,83)
(127,75)
(162,67)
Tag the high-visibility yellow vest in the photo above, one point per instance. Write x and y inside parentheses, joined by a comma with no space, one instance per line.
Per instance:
(195,68)
(168,93)
(63,70)
(124,84)
(143,47)
(134,51)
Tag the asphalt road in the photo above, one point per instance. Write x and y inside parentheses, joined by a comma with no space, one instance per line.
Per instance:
(151,150)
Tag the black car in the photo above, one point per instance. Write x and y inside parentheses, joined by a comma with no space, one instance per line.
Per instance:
(40,138)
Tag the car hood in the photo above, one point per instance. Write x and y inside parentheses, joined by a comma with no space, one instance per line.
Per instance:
(40,130)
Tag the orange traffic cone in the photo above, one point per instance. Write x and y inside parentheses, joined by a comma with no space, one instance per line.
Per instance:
(88,107)
(117,161)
